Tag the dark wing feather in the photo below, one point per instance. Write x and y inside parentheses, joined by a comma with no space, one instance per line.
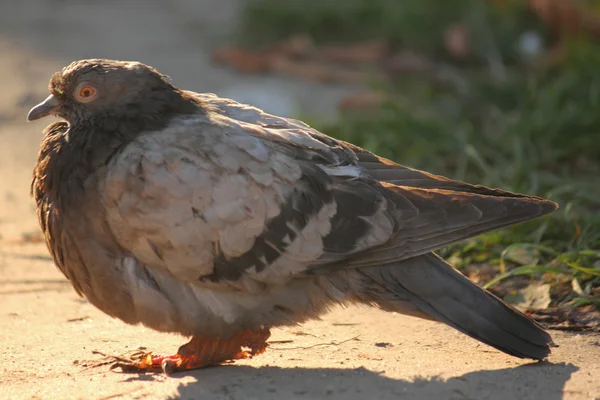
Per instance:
(177,199)
(428,219)
(391,212)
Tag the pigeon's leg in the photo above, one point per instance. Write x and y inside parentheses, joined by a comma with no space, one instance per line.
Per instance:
(203,351)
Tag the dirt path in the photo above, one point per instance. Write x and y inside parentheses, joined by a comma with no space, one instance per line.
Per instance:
(49,336)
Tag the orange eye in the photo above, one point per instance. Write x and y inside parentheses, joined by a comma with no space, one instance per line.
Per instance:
(86,93)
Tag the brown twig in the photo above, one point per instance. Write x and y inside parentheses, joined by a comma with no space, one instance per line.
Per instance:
(315,345)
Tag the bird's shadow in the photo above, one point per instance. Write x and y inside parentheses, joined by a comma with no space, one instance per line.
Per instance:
(532,381)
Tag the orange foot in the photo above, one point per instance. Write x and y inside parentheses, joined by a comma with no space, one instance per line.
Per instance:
(202,352)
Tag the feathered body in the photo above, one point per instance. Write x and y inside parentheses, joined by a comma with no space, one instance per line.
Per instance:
(194,214)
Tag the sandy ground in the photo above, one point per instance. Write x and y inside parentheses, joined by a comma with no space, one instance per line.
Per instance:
(50,338)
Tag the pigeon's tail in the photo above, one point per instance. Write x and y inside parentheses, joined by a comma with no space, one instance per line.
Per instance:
(427,284)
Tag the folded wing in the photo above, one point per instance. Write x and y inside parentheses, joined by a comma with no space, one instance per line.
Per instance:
(240,198)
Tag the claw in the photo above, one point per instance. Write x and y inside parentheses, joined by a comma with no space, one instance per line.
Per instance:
(200,352)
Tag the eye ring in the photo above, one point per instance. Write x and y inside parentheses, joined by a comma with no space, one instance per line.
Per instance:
(86,93)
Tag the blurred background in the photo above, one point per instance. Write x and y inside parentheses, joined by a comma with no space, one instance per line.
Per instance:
(504,93)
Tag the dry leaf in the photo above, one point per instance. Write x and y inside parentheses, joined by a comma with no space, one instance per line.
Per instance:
(523,255)
(536,297)
(581,319)
(299,57)
(567,17)
(244,61)
(362,52)
(576,287)
(318,71)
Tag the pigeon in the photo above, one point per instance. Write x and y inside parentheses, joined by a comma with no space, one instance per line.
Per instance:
(198,215)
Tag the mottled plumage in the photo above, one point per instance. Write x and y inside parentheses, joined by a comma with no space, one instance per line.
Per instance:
(195,214)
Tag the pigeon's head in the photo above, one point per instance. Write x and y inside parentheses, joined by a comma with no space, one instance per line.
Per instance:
(105,88)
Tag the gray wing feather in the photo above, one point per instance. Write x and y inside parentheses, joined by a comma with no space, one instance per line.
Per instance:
(241,195)
(437,289)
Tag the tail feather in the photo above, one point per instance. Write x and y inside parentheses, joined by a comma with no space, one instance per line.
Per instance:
(435,288)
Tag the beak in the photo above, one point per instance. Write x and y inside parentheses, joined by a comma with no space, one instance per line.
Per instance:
(43,109)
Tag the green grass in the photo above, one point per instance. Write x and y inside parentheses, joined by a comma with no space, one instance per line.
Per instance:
(538,135)
(535,133)
(415,24)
